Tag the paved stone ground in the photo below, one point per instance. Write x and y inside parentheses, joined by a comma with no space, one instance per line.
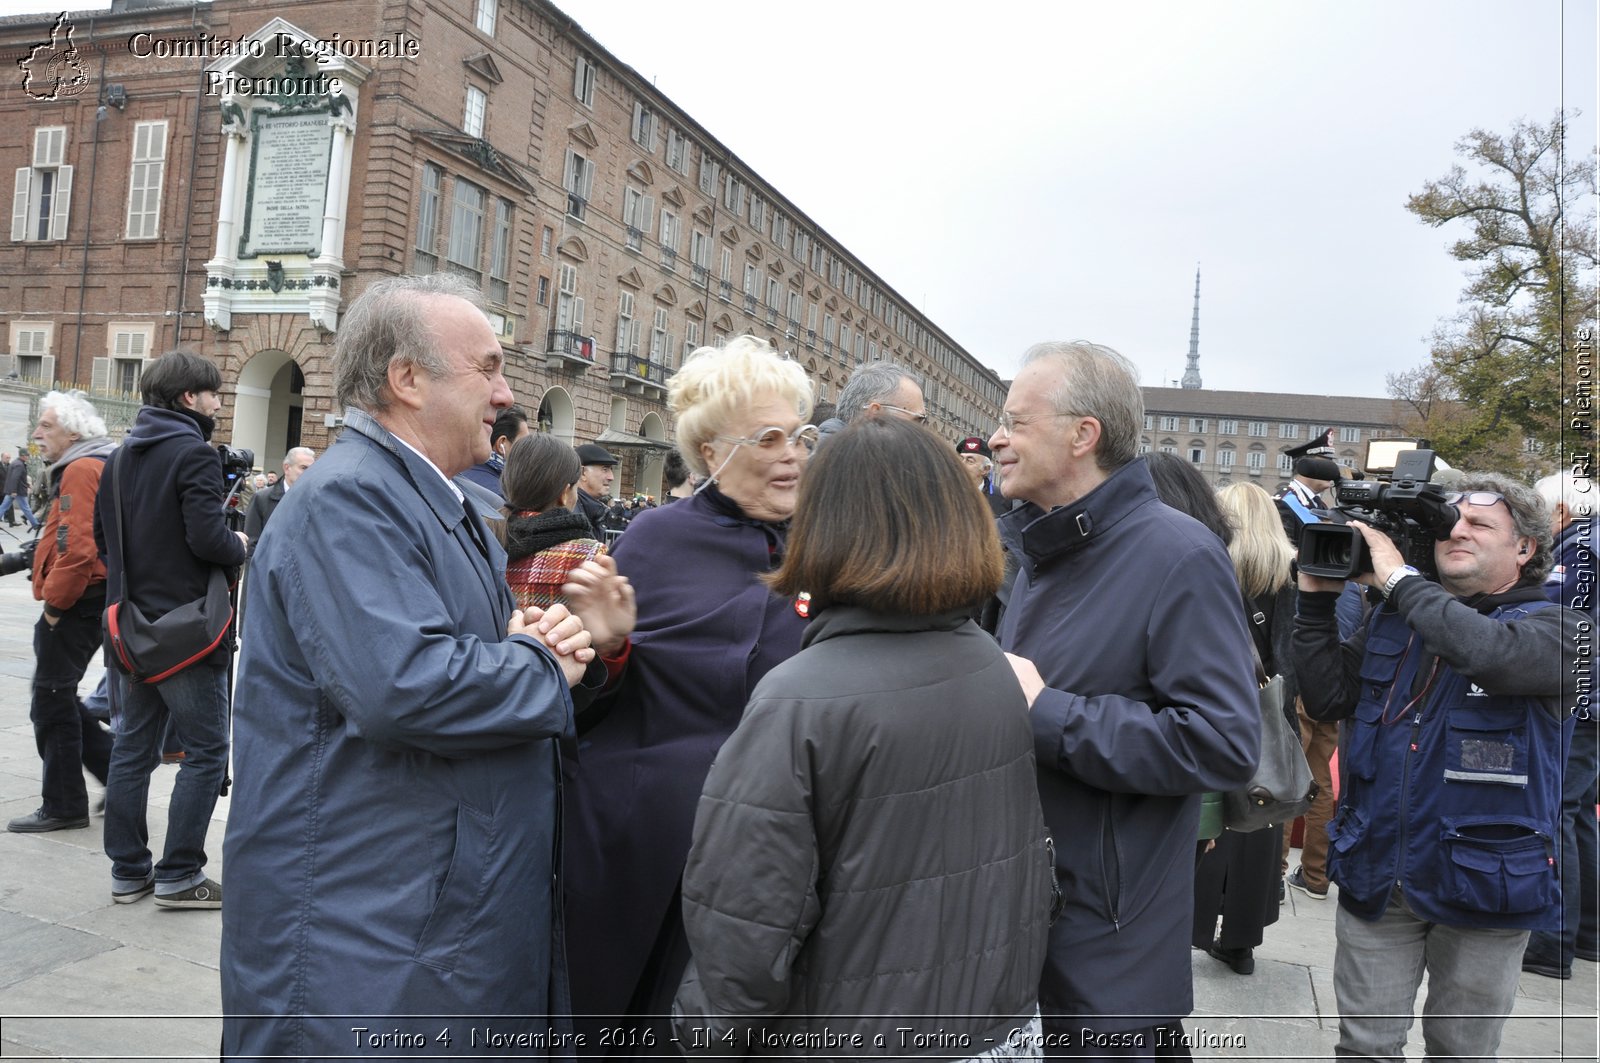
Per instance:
(84,979)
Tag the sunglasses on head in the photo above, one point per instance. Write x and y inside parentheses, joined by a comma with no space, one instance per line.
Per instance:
(1474,498)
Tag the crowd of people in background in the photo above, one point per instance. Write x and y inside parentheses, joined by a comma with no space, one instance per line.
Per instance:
(854,729)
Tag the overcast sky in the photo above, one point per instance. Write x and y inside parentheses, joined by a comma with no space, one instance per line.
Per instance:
(1023,170)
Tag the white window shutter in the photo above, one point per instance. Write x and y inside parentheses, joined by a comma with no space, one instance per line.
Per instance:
(121,343)
(100,375)
(19,204)
(47,369)
(58,224)
(577,316)
(49,146)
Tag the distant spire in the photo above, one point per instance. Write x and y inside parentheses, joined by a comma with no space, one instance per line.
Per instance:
(1191,372)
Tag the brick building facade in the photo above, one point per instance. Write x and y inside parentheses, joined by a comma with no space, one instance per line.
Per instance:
(610,232)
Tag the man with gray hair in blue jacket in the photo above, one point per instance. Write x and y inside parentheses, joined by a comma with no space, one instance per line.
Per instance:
(1126,630)
(393,837)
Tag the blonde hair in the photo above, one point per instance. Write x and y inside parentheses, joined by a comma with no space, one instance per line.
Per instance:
(716,383)
(1260,549)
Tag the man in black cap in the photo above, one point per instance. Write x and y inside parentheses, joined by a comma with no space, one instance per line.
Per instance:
(594,482)
(975,455)
(1314,472)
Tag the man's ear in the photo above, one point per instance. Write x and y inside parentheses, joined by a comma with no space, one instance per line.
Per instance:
(1085,436)
(404,384)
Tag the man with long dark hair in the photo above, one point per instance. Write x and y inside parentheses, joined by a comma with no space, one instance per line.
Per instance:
(160,525)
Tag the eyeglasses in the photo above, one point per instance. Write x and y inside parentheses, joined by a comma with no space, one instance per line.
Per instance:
(1475,498)
(1009,421)
(920,418)
(772,442)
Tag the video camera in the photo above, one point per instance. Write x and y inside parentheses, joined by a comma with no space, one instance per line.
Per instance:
(1409,509)
(236,462)
(19,560)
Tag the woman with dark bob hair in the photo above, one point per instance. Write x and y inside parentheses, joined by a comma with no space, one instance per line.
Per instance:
(869,850)
(544,538)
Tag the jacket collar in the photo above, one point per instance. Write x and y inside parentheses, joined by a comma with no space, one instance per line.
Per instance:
(433,488)
(837,620)
(1044,537)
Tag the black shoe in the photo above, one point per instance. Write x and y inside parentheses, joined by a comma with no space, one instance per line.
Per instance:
(1548,970)
(206,895)
(36,822)
(1297,879)
(1243,961)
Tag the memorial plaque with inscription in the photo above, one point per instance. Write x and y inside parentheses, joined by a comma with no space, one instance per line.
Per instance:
(288,185)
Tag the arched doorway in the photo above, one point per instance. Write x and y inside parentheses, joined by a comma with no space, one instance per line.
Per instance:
(267,407)
(650,469)
(556,414)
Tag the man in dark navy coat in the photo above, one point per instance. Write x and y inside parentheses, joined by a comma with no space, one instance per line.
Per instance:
(1129,639)
(393,835)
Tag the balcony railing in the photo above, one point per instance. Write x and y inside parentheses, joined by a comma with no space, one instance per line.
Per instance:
(634,372)
(565,349)
(749,303)
(635,238)
(669,258)
(576,205)
(725,291)
(699,276)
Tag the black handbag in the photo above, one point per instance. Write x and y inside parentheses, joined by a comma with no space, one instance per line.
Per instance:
(1281,788)
(153,650)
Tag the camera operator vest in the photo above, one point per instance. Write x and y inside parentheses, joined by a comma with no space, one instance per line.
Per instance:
(1453,794)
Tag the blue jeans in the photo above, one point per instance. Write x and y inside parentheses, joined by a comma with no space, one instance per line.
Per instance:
(196,701)
(21,505)
(1577,856)
(1378,966)
(67,737)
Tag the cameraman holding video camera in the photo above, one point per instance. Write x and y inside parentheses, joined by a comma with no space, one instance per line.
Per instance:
(1458,704)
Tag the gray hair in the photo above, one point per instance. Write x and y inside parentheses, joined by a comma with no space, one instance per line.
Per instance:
(290,454)
(1097,382)
(75,412)
(1529,516)
(871,383)
(1563,487)
(388,325)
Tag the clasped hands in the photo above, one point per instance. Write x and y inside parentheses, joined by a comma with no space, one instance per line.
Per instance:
(597,619)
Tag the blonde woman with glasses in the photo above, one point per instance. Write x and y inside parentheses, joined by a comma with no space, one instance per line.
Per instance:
(707,631)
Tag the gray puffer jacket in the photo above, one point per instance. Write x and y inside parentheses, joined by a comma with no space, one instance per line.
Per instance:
(869,843)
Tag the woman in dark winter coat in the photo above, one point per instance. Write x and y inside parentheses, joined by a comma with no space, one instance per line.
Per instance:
(1239,878)
(543,536)
(707,631)
(869,858)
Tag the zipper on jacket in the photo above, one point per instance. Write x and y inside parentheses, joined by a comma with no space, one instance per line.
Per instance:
(1405,800)
(1108,855)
